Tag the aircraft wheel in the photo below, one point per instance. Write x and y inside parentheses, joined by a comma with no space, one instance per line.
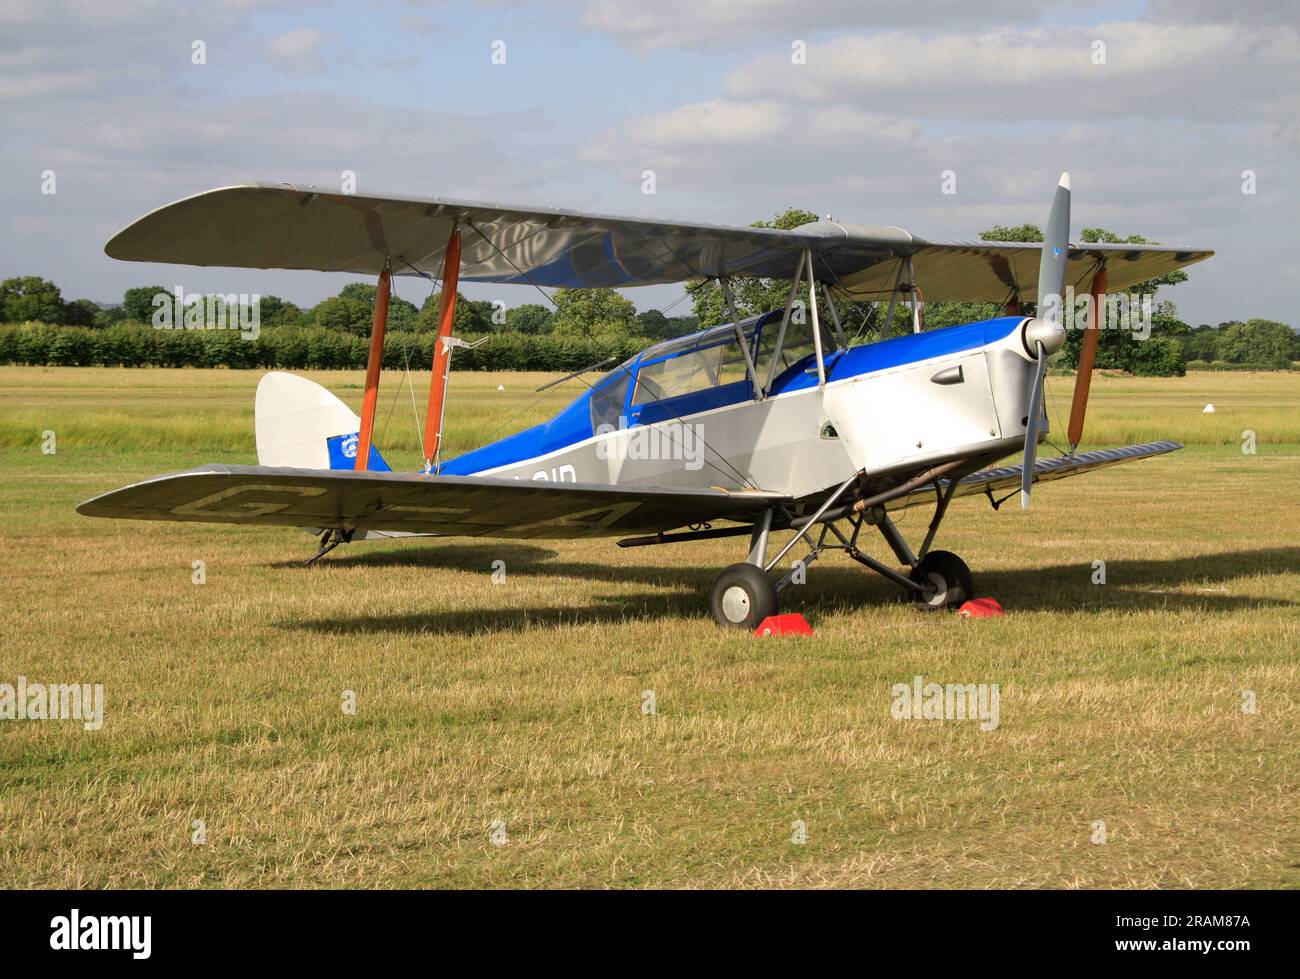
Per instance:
(742,597)
(948,577)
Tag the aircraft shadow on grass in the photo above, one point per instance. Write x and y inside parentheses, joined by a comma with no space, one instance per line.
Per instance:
(1187,583)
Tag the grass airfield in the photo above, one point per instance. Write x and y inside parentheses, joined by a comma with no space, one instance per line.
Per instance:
(499,737)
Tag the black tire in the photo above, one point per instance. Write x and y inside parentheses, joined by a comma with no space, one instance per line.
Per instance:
(948,575)
(742,597)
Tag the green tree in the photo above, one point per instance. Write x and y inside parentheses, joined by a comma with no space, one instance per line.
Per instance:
(275,311)
(593,313)
(81,312)
(1259,341)
(30,297)
(482,316)
(653,325)
(402,314)
(341,313)
(939,315)
(470,316)
(137,303)
(361,291)
(1158,356)
(532,319)
(1019,232)
(110,316)
(1202,344)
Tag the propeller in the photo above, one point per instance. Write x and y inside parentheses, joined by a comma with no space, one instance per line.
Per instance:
(1044,334)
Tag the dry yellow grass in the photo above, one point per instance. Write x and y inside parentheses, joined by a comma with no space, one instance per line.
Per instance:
(522,701)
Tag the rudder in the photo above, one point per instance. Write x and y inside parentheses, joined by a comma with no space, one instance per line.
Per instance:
(301,425)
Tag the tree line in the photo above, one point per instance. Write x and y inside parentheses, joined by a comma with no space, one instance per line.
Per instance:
(583,326)
(584,313)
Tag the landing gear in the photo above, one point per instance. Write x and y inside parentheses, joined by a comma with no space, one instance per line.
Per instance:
(742,597)
(946,581)
(744,594)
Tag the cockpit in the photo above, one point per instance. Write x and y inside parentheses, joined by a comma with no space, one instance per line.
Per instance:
(702,371)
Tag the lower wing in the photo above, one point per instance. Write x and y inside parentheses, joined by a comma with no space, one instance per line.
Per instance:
(1007,478)
(480,506)
(452,506)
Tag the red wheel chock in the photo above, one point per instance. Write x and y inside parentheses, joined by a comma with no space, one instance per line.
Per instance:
(981,608)
(790,624)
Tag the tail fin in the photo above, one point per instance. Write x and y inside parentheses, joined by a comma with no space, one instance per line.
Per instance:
(301,425)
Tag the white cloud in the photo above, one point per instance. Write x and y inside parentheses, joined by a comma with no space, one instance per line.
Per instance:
(1174,180)
(114,167)
(687,130)
(1155,70)
(1223,11)
(708,23)
(300,50)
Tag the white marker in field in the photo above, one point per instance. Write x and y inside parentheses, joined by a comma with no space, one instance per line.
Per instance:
(1207,410)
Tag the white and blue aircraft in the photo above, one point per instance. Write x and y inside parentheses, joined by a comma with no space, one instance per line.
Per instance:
(778,422)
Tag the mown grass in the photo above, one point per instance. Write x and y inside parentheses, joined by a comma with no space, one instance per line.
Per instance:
(113,409)
(523,701)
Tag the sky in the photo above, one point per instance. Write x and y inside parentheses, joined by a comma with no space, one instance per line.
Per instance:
(1164,112)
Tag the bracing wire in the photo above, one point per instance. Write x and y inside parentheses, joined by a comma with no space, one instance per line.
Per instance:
(410,383)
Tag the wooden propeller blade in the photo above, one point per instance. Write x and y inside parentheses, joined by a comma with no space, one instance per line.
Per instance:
(1087,357)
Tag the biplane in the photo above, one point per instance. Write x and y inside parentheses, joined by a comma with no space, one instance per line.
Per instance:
(766,424)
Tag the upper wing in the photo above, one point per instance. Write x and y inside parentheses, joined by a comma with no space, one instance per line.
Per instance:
(455,506)
(986,271)
(296,227)
(992,481)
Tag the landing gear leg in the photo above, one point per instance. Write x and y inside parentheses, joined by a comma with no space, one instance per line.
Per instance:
(938,579)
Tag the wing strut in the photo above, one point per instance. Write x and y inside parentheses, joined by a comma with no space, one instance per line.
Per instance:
(729,303)
(816,323)
(442,353)
(374,361)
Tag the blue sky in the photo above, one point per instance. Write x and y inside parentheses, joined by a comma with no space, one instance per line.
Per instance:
(702,91)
